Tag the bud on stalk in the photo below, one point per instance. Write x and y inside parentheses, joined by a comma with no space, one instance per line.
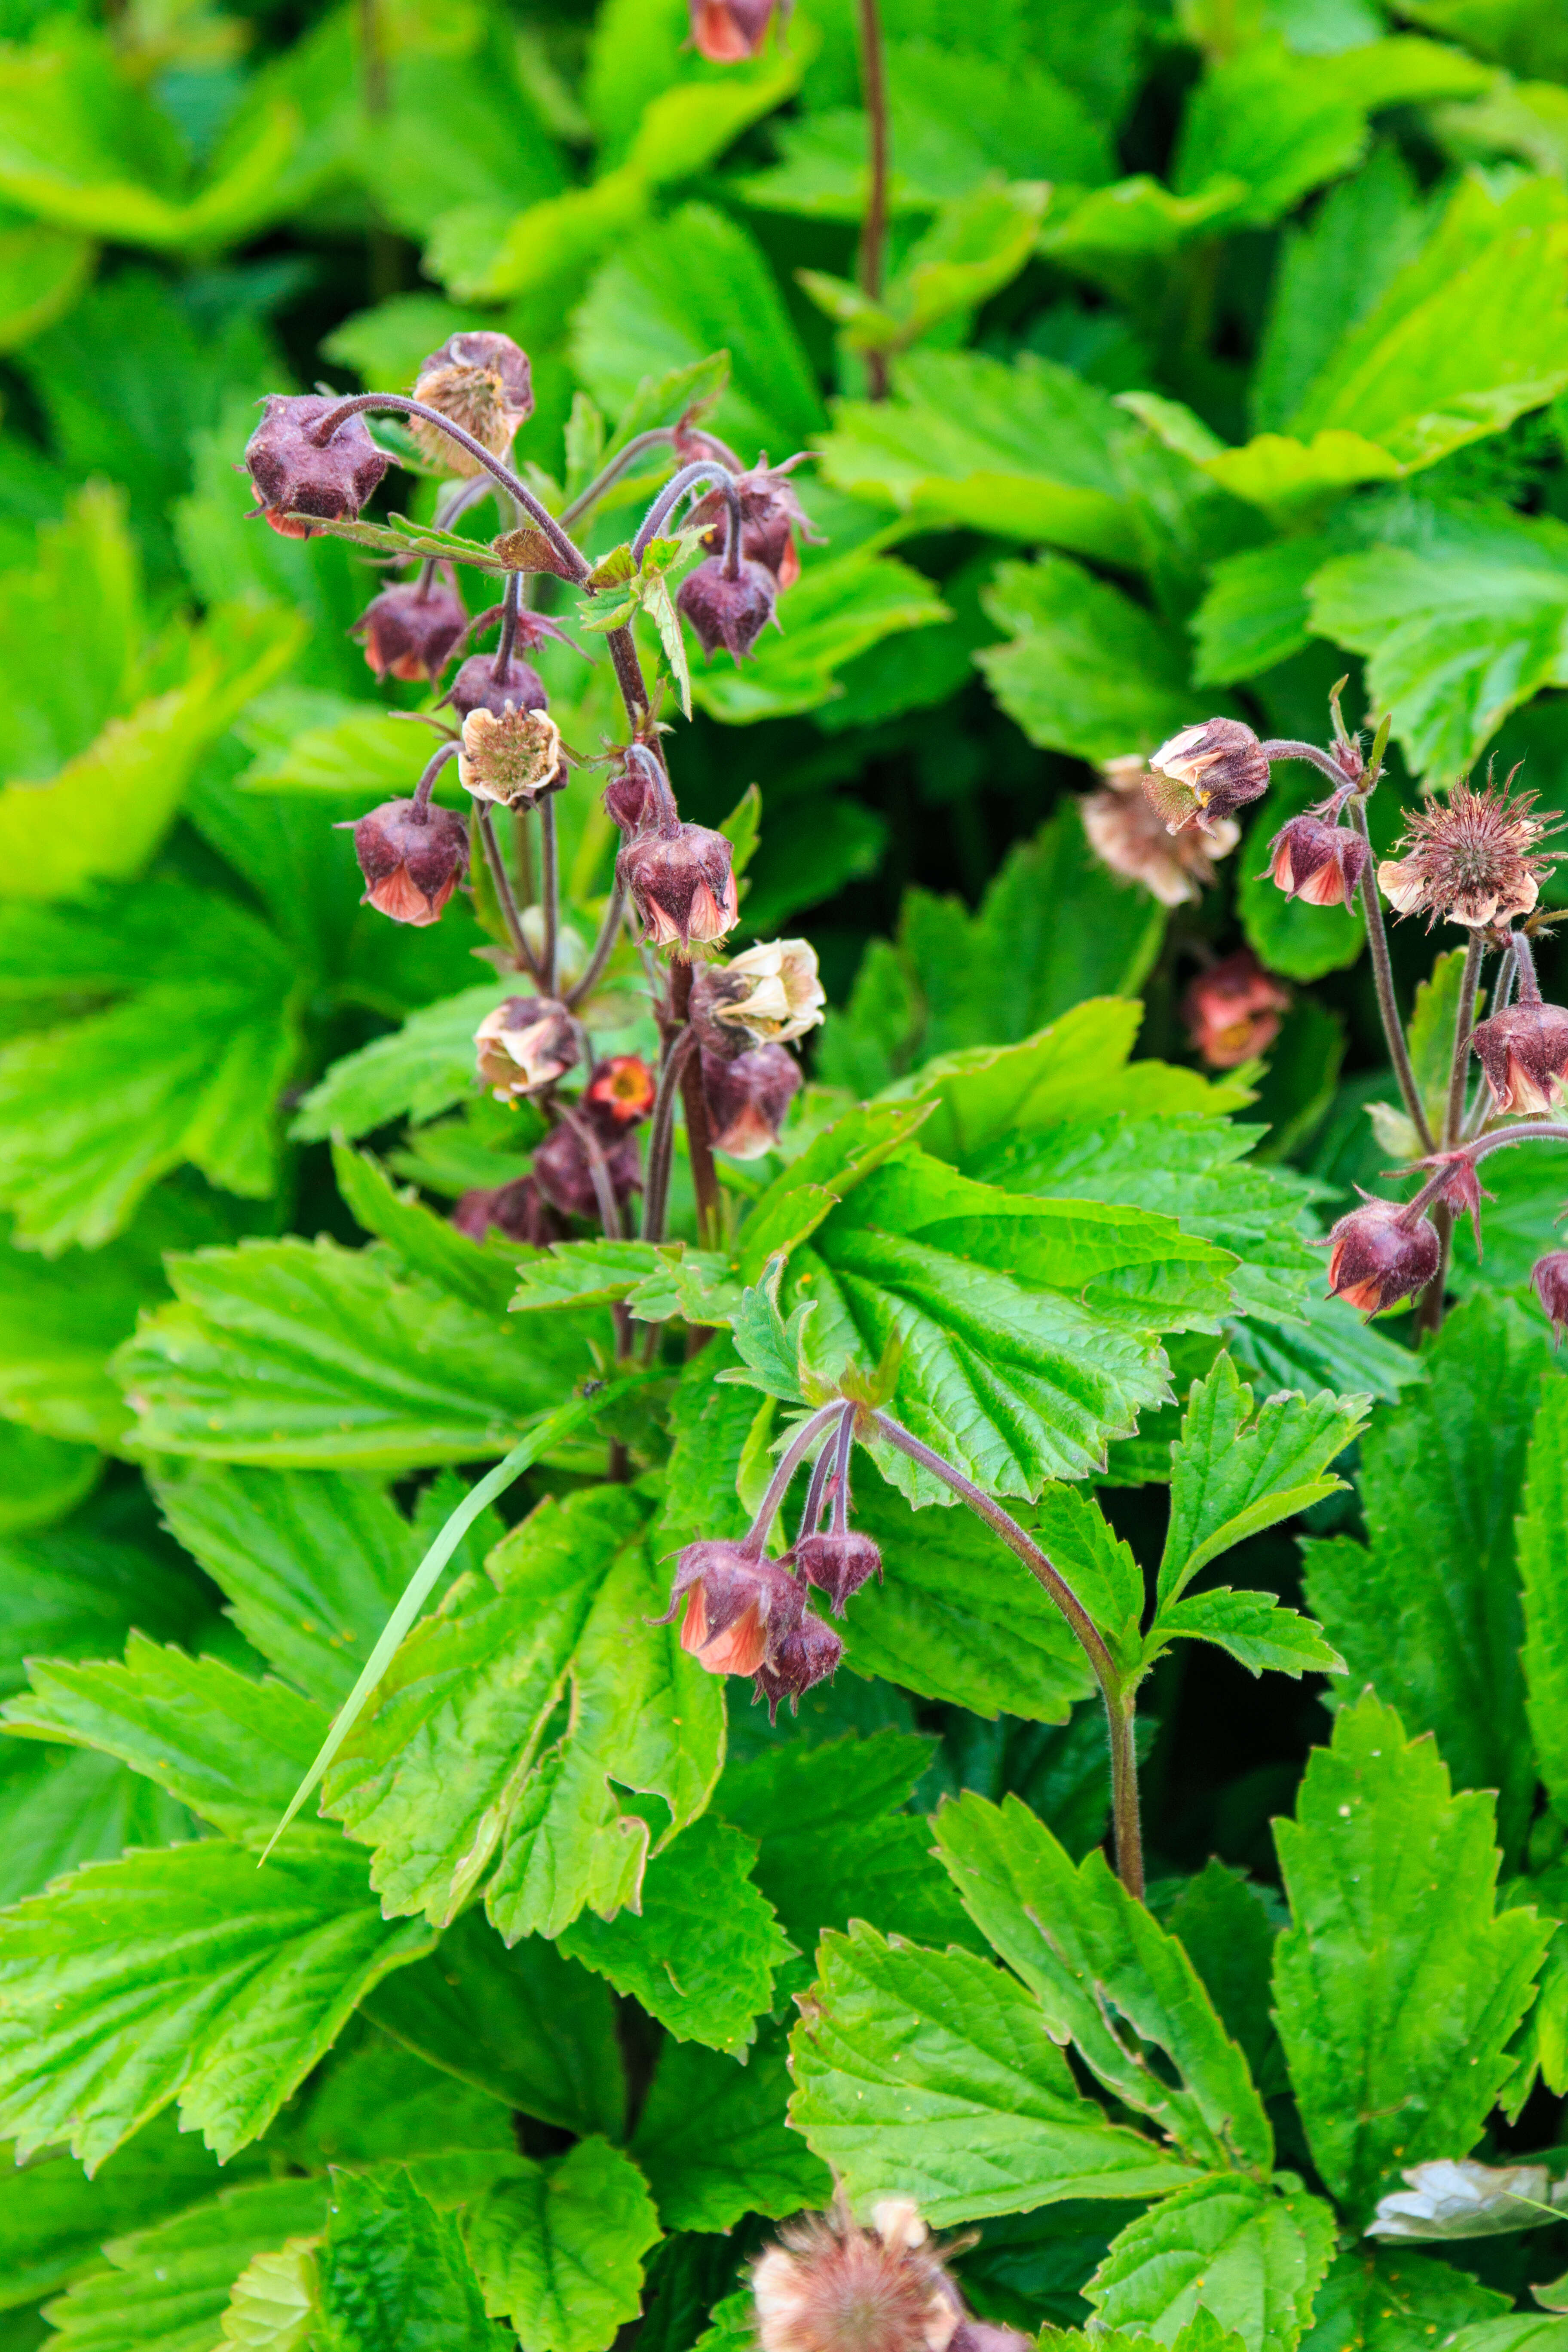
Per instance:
(837,1564)
(479,685)
(738,1605)
(725,608)
(680,881)
(480,381)
(412,855)
(1376,1257)
(1523,1051)
(525,1045)
(295,475)
(748,1096)
(1319,863)
(1206,773)
(408,632)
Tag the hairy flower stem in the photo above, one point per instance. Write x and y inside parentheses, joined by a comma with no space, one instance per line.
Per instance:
(504,893)
(1429,1306)
(1383,977)
(1117,1696)
(1529,1130)
(1282,746)
(603,947)
(599,1175)
(822,1470)
(874,236)
(658,435)
(790,1460)
(549,895)
(511,600)
(433,768)
(698,1149)
(661,1134)
(1502,997)
(705,472)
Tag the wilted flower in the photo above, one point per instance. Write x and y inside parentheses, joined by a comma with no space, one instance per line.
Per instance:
(480,685)
(1233,1010)
(739,1604)
(725,31)
(837,1564)
(681,883)
(409,632)
(829,2286)
(512,759)
(518,1210)
(771,514)
(620,1092)
(1128,835)
(482,382)
(1549,1277)
(1206,773)
(748,1096)
(1376,1257)
(1523,1050)
(1461,2199)
(564,1172)
(725,609)
(295,475)
(1319,863)
(1474,860)
(413,855)
(772,994)
(525,1044)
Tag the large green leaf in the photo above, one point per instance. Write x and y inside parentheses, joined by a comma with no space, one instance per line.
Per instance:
(1428,1610)
(1085,671)
(1382,2298)
(394,2273)
(1396,1988)
(1087,1947)
(1248,2255)
(713,2141)
(300,1355)
(454,1768)
(1542,1518)
(60,1807)
(164,2289)
(935,2076)
(69,1594)
(188,1973)
(559,2249)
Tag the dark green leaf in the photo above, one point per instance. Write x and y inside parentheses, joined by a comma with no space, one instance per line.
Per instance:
(559,2249)
(166,2288)
(1383,2299)
(394,2273)
(714,2142)
(1251,2257)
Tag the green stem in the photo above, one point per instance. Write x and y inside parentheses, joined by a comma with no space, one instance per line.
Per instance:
(1429,1306)
(1383,976)
(874,237)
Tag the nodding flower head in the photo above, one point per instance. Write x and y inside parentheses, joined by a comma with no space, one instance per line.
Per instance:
(732,613)
(480,686)
(413,855)
(1523,1050)
(769,996)
(1474,858)
(1206,773)
(408,632)
(480,381)
(739,1605)
(1376,1258)
(726,31)
(1549,1277)
(634,798)
(1127,834)
(771,514)
(300,480)
(1319,863)
(1233,1011)
(829,2286)
(525,1045)
(619,1093)
(681,883)
(748,1096)
(837,1565)
(513,760)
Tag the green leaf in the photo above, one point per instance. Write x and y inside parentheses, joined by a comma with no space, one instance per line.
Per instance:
(186,1974)
(713,2143)
(1086,671)
(527,2026)
(420,1070)
(41,1478)
(1543,1516)
(451,1769)
(559,2250)
(1258,1633)
(1224,1923)
(230,1748)
(701,1951)
(300,1355)
(839,607)
(275,2302)
(1279,124)
(60,1807)
(165,2289)
(1428,1610)
(1382,2299)
(1252,2258)
(933,2075)
(394,2276)
(69,1594)
(374,2100)
(355,751)
(1233,1475)
(1397,1991)
(1255,615)
(421,1240)
(1088,1948)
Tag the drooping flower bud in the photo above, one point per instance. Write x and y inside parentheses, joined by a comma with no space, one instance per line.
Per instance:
(1549,1277)
(523,1045)
(294,476)
(725,611)
(408,632)
(1127,834)
(772,994)
(1523,1050)
(477,686)
(828,2287)
(748,1097)
(681,883)
(517,1209)
(513,760)
(1206,773)
(619,1093)
(838,1565)
(1317,862)
(725,31)
(564,1170)
(739,1605)
(413,855)
(1473,860)
(480,381)
(1233,1010)
(1376,1258)
(771,514)
(808,1655)
(631,798)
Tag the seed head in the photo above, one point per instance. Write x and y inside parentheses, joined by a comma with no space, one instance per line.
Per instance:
(828,2287)
(837,1565)
(1549,1276)
(296,476)
(1233,1010)
(732,613)
(1473,860)
(748,1097)
(1206,773)
(482,382)
(513,760)
(523,1045)
(1127,834)
(807,1655)
(477,687)
(1319,863)
(413,855)
(1523,1050)
(1375,1259)
(681,883)
(770,995)
(409,632)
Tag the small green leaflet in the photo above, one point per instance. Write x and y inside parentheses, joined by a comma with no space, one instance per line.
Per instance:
(558,2249)
(713,2143)
(394,2273)
(177,2276)
(1253,2257)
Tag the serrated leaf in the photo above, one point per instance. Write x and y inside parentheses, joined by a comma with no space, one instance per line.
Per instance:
(559,2249)
(1249,2256)
(60,1807)
(166,2288)
(70,1594)
(1380,2299)
(1543,1516)
(1397,1990)
(421,1069)
(1093,1955)
(1233,1474)
(411,542)
(422,1242)
(1255,1629)
(274,2303)
(933,2075)
(1086,670)
(714,2142)
(702,1948)
(394,2273)
(187,1973)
